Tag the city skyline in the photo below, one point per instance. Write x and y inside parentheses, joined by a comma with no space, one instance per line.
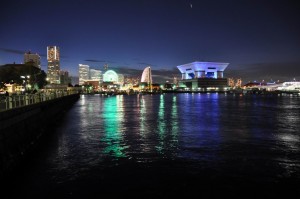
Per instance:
(259,40)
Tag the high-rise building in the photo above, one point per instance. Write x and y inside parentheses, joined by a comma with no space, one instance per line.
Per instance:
(147,76)
(53,64)
(65,79)
(84,73)
(33,59)
(95,74)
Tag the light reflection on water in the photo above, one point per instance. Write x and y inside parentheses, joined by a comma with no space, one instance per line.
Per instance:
(113,115)
(225,132)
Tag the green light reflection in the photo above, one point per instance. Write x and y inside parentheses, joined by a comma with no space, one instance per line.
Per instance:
(113,116)
(143,114)
(161,125)
(174,123)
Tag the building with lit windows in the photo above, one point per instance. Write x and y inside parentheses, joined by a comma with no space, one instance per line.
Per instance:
(92,85)
(231,82)
(53,58)
(132,80)
(64,77)
(290,86)
(203,76)
(33,59)
(238,83)
(234,83)
(121,79)
(84,73)
(96,75)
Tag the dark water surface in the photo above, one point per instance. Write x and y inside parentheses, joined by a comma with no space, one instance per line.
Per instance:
(158,146)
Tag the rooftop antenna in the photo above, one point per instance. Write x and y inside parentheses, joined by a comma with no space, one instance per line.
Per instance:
(105,67)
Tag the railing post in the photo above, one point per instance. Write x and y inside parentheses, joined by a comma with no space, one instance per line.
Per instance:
(6,102)
(10,102)
(26,99)
(23,100)
(14,101)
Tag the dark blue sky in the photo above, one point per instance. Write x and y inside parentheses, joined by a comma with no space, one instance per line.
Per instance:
(260,39)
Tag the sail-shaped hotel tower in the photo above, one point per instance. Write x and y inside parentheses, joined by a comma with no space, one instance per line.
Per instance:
(146,79)
(147,76)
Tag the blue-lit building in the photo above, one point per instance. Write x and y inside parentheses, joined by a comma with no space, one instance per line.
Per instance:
(203,76)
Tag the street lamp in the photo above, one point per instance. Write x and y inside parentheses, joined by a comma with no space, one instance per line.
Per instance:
(26,81)
(23,83)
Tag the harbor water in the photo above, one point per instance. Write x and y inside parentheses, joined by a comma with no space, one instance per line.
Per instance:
(166,145)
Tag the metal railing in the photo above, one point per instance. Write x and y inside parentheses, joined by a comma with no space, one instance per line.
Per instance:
(19,100)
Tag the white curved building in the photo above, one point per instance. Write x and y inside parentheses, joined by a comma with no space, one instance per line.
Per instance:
(147,76)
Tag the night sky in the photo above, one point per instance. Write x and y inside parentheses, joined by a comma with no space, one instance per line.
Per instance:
(260,39)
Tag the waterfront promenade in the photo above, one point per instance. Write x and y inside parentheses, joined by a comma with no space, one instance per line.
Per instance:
(24,120)
(18,100)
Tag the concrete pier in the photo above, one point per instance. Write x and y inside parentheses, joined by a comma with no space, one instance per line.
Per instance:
(21,128)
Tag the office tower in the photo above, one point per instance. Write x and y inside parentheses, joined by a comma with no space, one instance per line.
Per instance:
(65,79)
(84,73)
(53,58)
(33,59)
(95,74)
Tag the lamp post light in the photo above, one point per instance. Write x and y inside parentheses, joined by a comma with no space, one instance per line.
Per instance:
(26,82)
(23,83)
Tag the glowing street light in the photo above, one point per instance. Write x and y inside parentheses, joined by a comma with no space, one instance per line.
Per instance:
(26,81)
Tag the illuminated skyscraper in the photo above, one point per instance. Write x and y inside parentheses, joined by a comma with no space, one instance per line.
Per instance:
(84,73)
(33,59)
(53,64)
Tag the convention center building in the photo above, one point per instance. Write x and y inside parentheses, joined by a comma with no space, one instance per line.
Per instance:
(203,76)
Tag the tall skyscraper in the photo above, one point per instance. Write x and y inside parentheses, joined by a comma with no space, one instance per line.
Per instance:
(33,59)
(53,64)
(84,73)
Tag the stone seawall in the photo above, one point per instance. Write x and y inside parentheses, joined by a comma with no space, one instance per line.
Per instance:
(21,128)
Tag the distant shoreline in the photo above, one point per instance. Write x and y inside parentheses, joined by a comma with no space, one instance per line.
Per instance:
(233,92)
